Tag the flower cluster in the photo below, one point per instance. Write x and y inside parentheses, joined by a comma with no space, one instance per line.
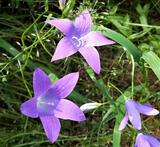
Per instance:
(133,110)
(49,103)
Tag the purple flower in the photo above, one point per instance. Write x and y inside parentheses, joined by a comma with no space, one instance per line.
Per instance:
(146,141)
(79,38)
(133,110)
(49,104)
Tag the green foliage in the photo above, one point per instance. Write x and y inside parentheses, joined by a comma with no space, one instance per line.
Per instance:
(154,62)
(128,45)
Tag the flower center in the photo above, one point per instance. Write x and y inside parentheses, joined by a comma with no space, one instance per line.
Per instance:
(77,42)
(46,103)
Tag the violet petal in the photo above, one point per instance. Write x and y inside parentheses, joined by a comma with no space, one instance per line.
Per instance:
(141,141)
(64,49)
(133,114)
(68,110)
(29,109)
(153,141)
(65,85)
(91,56)
(146,109)
(96,39)
(51,127)
(64,25)
(83,23)
(123,122)
(41,82)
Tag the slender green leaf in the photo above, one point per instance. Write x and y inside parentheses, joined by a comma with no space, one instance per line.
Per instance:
(68,8)
(116,132)
(154,62)
(100,84)
(79,98)
(109,115)
(143,12)
(14,52)
(103,88)
(10,49)
(119,38)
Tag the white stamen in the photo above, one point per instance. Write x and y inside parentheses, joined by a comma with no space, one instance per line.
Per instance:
(42,103)
(77,42)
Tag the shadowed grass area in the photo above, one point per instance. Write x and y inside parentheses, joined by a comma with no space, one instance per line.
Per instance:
(27,42)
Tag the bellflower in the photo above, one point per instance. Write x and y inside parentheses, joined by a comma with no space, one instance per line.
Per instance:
(146,141)
(133,110)
(48,102)
(79,38)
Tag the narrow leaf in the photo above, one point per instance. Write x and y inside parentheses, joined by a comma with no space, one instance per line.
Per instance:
(119,38)
(154,62)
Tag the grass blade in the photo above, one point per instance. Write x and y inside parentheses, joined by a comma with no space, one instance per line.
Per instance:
(119,38)
(154,62)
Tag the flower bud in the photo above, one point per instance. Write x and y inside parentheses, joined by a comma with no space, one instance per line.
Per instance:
(90,106)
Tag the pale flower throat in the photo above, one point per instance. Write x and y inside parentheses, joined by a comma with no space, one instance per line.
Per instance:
(47,103)
(77,42)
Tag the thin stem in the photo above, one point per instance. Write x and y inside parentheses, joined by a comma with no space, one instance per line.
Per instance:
(116,88)
(40,40)
(132,74)
(29,92)
(23,79)
(143,25)
(146,76)
(23,35)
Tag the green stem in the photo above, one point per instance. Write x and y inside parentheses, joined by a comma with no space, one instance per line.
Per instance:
(23,79)
(146,77)
(132,74)
(23,35)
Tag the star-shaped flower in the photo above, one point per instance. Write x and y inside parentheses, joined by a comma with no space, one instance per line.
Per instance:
(146,141)
(49,104)
(79,38)
(133,110)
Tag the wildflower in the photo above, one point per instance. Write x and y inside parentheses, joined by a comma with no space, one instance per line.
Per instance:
(49,104)
(89,106)
(133,110)
(62,3)
(146,141)
(78,38)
